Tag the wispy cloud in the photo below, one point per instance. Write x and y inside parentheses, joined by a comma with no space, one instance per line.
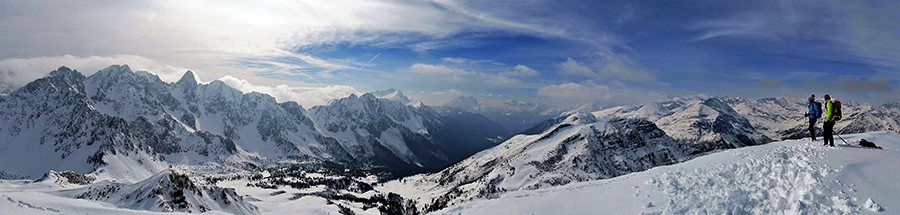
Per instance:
(604,66)
(742,25)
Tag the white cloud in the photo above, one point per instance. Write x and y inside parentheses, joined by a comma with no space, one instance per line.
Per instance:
(607,65)
(305,96)
(572,67)
(17,72)
(620,66)
(587,90)
(520,70)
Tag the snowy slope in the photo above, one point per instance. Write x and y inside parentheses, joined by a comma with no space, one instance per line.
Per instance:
(788,177)
(579,148)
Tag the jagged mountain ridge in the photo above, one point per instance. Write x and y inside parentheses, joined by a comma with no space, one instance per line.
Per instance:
(704,124)
(81,119)
(51,124)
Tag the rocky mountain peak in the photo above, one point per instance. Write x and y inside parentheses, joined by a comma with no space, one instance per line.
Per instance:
(393,95)
(63,71)
(188,79)
(59,80)
(115,70)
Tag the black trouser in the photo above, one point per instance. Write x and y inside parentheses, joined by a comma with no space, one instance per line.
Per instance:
(828,127)
(812,128)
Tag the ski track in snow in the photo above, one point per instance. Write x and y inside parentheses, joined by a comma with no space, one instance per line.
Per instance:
(787,177)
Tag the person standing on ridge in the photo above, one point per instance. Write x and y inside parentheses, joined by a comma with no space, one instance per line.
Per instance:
(814,112)
(828,127)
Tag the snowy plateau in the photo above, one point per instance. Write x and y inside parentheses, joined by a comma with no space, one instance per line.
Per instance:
(125,142)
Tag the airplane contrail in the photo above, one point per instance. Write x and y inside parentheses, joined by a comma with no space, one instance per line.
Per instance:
(363,66)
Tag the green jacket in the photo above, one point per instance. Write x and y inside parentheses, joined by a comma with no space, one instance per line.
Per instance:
(828,111)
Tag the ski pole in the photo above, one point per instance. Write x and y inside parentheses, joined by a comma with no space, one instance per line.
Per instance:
(842,139)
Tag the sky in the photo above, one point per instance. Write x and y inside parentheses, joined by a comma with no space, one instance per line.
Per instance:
(555,52)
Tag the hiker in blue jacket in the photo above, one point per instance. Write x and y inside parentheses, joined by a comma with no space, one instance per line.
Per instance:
(814,112)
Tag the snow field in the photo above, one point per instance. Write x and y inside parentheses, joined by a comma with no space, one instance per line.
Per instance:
(787,177)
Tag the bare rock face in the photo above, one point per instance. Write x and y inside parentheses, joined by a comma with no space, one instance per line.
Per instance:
(66,178)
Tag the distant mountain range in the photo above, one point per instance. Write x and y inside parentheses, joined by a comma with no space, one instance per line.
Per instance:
(67,121)
(514,115)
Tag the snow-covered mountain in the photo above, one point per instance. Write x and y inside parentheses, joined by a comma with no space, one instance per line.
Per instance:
(579,148)
(393,95)
(166,191)
(516,116)
(67,121)
(704,124)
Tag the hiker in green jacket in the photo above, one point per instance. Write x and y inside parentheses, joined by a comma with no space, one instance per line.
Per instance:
(828,114)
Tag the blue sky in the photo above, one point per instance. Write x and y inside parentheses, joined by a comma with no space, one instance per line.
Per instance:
(557,52)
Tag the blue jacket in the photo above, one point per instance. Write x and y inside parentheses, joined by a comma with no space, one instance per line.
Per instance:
(812,110)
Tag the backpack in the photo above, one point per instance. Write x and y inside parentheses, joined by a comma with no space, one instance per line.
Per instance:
(818,110)
(836,114)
